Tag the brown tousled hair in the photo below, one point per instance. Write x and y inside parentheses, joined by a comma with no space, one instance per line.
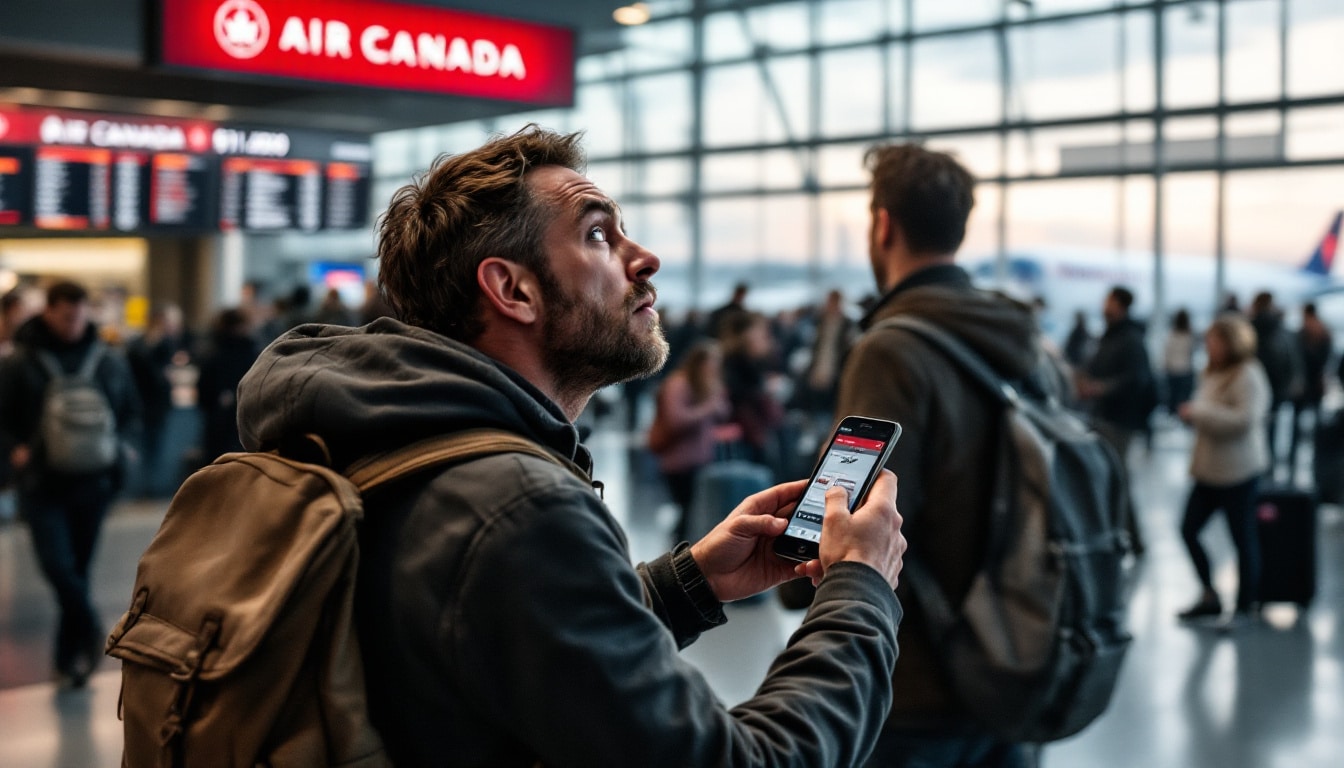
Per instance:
(464,209)
(929,194)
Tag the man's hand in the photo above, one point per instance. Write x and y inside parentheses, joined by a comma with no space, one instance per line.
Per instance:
(871,535)
(736,557)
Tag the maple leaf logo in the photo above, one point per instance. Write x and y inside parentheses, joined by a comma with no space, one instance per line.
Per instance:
(241,28)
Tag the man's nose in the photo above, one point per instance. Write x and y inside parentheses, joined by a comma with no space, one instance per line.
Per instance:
(641,264)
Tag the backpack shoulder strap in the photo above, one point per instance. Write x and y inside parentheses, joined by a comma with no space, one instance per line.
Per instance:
(939,612)
(374,471)
(49,364)
(91,360)
(955,350)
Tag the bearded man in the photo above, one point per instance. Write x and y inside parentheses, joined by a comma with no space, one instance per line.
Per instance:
(500,618)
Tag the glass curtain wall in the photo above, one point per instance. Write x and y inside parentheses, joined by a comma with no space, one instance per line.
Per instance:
(1186,147)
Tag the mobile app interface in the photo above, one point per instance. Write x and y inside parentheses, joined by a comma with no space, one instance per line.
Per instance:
(848,462)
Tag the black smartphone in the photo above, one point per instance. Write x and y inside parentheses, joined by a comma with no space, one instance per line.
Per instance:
(855,455)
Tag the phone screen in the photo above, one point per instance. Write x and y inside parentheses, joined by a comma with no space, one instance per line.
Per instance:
(857,451)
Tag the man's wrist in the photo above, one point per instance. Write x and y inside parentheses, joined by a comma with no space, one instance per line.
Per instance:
(695,584)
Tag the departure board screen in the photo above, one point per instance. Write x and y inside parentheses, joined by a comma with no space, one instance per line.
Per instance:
(271,194)
(347,196)
(72,188)
(15,185)
(72,170)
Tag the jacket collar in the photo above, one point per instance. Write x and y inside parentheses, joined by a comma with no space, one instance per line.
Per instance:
(949,275)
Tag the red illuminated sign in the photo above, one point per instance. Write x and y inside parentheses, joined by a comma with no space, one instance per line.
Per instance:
(859,442)
(373,44)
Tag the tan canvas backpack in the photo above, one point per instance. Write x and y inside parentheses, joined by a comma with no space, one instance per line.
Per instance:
(239,648)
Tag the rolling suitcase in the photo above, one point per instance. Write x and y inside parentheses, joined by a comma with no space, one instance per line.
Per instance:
(1328,459)
(719,488)
(1286,520)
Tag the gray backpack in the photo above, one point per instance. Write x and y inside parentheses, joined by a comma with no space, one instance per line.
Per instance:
(77,428)
(1035,649)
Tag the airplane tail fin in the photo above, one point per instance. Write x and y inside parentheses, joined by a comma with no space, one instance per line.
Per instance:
(1324,257)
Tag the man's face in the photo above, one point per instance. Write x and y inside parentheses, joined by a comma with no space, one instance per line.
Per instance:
(1112,310)
(67,320)
(600,324)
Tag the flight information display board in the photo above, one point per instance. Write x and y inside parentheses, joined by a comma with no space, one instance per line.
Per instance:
(67,170)
(15,185)
(267,195)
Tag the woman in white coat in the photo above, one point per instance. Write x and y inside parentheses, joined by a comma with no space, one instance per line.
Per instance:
(1230,456)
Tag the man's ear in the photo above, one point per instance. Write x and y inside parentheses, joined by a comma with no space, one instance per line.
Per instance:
(511,289)
(882,227)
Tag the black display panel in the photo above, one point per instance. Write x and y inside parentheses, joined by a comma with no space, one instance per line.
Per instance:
(347,196)
(72,188)
(271,195)
(16,185)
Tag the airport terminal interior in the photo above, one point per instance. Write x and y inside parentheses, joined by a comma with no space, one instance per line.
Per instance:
(189,157)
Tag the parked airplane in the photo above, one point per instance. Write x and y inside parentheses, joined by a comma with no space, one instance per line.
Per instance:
(1072,280)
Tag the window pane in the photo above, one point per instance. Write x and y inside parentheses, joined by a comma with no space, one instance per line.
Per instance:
(847,21)
(844,244)
(598,112)
(1315,57)
(662,118)
(1137,62)
(1316,133)
(941,14)
(1191,77)
(1067,69)
(841,165)
(739,110)
(957,81)
(899,99)
(851,92)
(779,169)
(782,27)
(754,231)
(979,153)
(1280,215)
(662,177)
(1253,50)
(725,37)
(658,45)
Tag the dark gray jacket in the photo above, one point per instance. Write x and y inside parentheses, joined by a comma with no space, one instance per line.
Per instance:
(947,453)
(501,620)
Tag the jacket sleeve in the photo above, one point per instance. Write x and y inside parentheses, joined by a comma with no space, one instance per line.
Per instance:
(550,634)
(1247,405)
(676,592)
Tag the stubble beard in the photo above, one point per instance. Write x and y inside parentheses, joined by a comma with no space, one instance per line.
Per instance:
(588,348)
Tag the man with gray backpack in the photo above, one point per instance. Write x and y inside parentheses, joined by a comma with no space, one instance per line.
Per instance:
(68,411)
(1014,605)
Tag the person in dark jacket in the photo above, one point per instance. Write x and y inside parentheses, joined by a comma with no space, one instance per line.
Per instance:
(1278,353)
(920,204)
(65,510)
(1119,384)
(500,619)
(231,352)
(166,343)
(1315,345)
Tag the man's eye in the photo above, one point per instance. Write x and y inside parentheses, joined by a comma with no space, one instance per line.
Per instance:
(597,233)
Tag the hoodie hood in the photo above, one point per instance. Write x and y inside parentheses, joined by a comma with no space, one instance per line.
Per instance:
(382,386)
(1001,330)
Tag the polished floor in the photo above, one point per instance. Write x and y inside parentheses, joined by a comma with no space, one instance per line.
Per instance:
(1268,695)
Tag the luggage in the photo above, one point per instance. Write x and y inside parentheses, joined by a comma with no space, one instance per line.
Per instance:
(1328,459)
(719,488)
(1286,519)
